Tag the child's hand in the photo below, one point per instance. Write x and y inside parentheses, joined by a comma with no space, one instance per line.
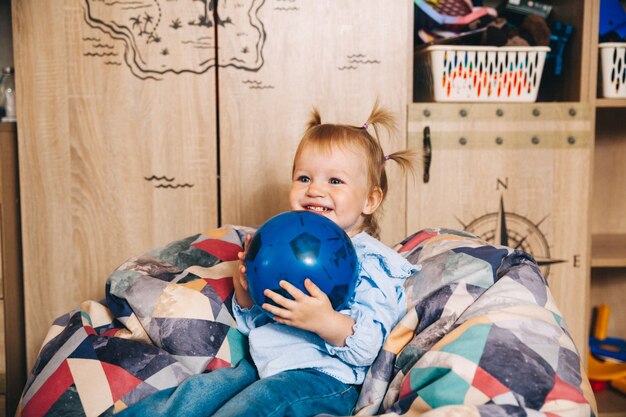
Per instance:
(312,312)
(240,279)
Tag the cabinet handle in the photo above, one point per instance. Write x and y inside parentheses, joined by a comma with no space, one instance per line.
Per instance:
(427,154)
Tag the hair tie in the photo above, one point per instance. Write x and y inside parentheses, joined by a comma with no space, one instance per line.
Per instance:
(365,126)
(387,157)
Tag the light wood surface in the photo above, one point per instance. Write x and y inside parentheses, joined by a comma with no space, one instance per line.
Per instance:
(336,56)
(106,110)
(543,187)
(101,112)
(610,102)
(608,251)
(589,75)
(609,189)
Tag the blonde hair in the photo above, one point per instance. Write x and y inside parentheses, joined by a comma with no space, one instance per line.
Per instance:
(324,136)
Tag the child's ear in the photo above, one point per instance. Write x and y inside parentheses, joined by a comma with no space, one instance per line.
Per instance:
(373,200)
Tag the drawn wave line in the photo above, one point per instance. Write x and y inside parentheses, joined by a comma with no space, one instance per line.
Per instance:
(155,178)
(185,185)
(356,56)
(348,67)
(286,9)
(112,63)
(367,61)
(260,87)
(113,3)
(136,7)
(91,39)
(197,43)
(102,45)
(100,54)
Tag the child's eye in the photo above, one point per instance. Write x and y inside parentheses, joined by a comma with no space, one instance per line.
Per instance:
(335,181)
(303,178)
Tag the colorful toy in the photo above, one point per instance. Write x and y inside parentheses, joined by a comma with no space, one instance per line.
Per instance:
(607,354)
(296,245)
(612,18)
(611,347)
(560,37)
(456,15)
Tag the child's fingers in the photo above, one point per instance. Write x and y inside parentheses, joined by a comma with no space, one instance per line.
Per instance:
(241,276)
(292,290)
(313,289)
(276,311)
(246,241)
(278,299)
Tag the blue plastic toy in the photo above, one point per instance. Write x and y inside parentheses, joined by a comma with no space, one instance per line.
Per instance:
(609,347)
(612,18)
(560,37)
(296,245)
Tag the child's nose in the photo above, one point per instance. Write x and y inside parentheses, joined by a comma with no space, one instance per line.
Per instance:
(315,189)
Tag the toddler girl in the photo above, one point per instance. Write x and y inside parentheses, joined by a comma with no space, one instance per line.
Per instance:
(311,359)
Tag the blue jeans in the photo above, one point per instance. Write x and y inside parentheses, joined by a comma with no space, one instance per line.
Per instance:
(238,391)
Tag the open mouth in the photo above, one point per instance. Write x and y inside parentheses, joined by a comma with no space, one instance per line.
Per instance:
(317,209)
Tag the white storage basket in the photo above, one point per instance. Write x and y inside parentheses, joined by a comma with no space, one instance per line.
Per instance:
(479,73)
(613,63)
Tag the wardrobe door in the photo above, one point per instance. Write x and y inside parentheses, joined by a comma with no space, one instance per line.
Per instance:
(336,56)
(117,141)
(516,175)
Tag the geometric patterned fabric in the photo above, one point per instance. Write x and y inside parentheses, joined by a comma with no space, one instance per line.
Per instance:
(481,336)
(166,315)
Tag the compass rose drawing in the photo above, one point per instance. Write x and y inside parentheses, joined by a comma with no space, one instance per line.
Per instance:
(515,231)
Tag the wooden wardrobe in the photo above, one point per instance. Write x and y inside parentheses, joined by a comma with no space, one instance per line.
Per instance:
(143,123)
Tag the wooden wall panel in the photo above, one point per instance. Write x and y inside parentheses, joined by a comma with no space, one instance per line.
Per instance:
(540,189)
(609,192)
(117,138)
(337,56)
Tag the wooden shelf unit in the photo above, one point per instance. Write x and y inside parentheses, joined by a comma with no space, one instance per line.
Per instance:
(608,205)
(608,250)
(610,102)
(606,275)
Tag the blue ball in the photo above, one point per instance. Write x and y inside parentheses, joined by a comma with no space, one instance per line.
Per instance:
(296,245)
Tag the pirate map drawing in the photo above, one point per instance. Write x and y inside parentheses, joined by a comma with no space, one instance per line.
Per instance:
(155,37)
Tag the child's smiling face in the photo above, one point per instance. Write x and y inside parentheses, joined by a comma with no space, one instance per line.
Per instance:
(334,184)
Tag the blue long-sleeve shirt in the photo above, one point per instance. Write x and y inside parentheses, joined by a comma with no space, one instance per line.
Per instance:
(378,303)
